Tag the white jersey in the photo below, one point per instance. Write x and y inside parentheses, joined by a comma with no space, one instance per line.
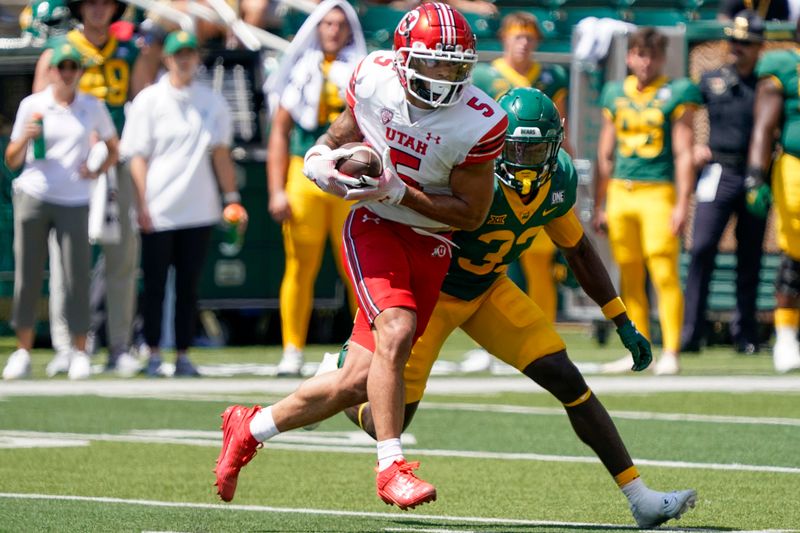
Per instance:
(424,152)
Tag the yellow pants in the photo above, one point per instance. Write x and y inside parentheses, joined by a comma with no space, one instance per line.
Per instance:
(317,217)
(503,320)
(639,215)
(786,191)
(537,266)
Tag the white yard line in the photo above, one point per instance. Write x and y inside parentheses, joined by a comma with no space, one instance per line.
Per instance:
(342,442)
(631,415)
(436,385)
(394,516)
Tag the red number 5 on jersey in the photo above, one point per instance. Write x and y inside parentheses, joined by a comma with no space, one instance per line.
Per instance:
(404,159)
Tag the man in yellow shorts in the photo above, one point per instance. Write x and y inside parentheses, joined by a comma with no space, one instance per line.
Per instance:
(778,108)
(645,179)
(520,34)
(330,44)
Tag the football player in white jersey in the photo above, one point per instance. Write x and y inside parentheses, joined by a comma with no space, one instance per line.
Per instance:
(439,136)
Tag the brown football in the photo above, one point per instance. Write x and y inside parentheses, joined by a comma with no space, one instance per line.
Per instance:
(365,161)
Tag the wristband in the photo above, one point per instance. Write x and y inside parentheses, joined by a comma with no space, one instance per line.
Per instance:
(753,177)
(613,308)
(232,197)
(317,149)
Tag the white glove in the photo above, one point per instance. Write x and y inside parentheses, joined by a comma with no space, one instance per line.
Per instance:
(319,165)
(387,189)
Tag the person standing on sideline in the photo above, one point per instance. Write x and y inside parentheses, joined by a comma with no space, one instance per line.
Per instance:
(411,104)
(51,138)
(645,169)
(177,139)
(521,34)
(778,108)
(114,72)
(728,94)
(309,87)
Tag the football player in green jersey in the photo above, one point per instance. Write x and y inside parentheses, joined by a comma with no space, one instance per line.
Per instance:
(645,170)
(778,108)
(534,191)
(520,34)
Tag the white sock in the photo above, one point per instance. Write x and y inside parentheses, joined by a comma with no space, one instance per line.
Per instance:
(785,334)
(389,451)
(262,426)
(635,489)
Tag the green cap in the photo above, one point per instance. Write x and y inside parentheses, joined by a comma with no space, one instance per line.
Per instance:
(65,52)
(178,40)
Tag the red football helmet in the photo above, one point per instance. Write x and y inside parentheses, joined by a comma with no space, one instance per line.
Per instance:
(434,53)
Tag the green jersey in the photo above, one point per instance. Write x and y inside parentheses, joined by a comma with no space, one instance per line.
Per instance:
(498,77)
(106,71)
(510,227)
(783,66)
(643,123)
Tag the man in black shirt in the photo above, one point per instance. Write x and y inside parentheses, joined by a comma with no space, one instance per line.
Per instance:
(728,93)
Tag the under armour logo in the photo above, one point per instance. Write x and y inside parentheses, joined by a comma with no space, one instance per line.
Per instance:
(434,138)
(367,218)
(440,251)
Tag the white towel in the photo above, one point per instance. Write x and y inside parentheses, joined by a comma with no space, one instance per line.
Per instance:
(104,223)
(595,38)
(297,83)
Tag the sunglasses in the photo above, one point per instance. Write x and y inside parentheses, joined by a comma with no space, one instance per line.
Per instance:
(68,65)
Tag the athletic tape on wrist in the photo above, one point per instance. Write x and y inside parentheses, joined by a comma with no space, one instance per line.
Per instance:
(613,308)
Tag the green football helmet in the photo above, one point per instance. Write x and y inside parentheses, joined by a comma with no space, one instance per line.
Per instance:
(45,18)
(534,137)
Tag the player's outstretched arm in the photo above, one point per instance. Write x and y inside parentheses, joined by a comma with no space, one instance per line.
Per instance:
(593,277)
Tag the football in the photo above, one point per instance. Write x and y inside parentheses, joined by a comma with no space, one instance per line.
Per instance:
(365,161)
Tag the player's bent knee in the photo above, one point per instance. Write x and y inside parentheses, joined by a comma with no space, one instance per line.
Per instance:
(558,375)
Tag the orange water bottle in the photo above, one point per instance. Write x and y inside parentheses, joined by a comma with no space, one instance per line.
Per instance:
(233,216)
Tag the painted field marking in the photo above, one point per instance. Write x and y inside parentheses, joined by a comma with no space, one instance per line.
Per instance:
(394,516)
(630,415)
(299,442)
(454,385)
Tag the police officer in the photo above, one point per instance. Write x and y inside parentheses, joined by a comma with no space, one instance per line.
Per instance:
(728,94)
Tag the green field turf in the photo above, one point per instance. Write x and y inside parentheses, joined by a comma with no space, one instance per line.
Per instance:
(123,461)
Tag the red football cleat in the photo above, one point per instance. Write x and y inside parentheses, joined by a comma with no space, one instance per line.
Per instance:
(238,447)
(399,486)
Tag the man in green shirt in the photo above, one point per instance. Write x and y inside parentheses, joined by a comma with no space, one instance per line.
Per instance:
(778,108)
(645,169)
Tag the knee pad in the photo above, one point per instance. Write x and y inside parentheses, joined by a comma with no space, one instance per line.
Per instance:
(788,279)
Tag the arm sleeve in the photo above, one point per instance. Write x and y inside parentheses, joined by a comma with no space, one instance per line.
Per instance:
(19,122)
(137,136)
(350,93)
(104,126)
(689,97)
(490,145)
(566,230)
(222,134)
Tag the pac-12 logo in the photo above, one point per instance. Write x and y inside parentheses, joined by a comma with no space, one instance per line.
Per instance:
(408,23)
